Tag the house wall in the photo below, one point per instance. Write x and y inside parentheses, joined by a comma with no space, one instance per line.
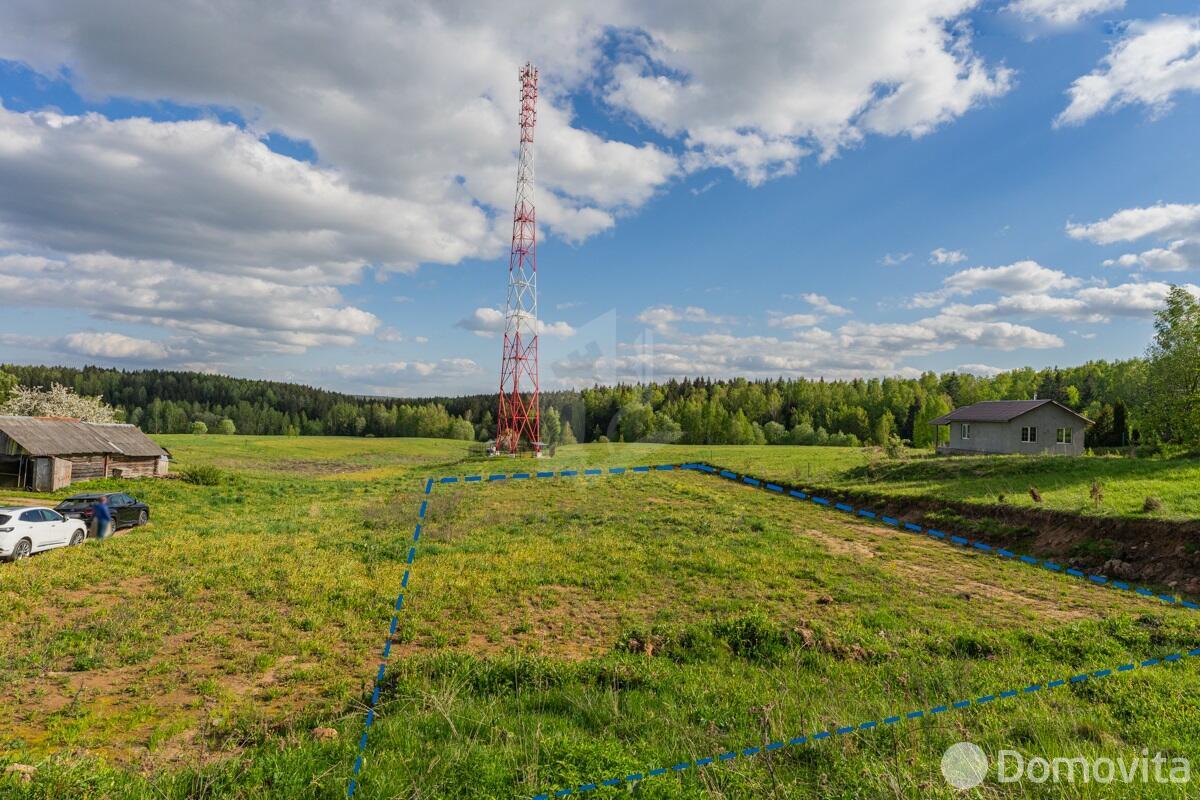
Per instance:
(85,468)
(1005,437)
(50,474)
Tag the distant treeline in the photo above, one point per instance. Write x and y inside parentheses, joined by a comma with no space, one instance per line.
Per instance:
(700,411)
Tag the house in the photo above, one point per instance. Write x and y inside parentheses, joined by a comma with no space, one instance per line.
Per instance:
(47,453)
(1014,426)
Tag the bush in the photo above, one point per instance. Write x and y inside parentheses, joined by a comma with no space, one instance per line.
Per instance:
(203,475)
(199,428)
(1153,505)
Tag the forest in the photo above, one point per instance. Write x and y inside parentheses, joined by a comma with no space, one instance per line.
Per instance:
(697,411)
(1154,399)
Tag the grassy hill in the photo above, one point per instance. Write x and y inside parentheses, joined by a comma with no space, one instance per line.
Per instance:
(556,632)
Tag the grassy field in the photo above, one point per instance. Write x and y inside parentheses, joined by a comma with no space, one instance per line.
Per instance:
(554,633)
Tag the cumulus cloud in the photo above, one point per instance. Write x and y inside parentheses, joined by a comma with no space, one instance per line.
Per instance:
(1175,224)
(110,345)
(908,68)
(1152,62)
(409,111)
(851,350)
(1062,12)
(778,320)
(393,370)
(1162,221)
(1021,276)
(216,314)
(663,318)
(489,322)
(982,370)
(941,255)
(1091,304)
(822,304)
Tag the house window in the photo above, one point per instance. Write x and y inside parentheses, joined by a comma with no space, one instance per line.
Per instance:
(1029,434)
(1064,435)
(965,431)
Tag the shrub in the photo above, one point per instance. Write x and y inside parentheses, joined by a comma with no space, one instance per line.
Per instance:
(199,428)
(1152,505)
(752,635)
(202,475)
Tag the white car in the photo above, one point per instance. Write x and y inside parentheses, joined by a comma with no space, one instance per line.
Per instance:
(25,530)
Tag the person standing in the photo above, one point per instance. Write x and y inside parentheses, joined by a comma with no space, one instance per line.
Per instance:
(102,516)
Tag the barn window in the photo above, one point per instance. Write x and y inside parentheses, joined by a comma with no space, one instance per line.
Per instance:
(1029,434)
(965,430)
(1064,435)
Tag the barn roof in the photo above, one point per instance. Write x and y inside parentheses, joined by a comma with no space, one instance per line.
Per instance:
(40,436)
(999,411)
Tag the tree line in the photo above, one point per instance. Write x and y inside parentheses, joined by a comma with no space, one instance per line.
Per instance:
(1150,399)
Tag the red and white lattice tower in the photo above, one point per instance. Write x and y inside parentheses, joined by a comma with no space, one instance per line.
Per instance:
(518,417)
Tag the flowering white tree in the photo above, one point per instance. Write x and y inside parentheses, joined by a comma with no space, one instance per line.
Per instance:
(57,401)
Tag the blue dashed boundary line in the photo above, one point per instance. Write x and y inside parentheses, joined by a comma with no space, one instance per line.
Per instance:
(769,747)
(795,494)
(387,643)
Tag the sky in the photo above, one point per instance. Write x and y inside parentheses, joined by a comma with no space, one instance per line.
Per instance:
(322,192)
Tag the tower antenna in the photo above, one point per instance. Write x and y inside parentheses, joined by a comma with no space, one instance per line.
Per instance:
(518,416)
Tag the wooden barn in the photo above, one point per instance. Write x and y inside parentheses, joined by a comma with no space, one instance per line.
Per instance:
(44,454)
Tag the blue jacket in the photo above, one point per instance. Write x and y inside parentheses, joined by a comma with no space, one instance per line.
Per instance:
(102,513)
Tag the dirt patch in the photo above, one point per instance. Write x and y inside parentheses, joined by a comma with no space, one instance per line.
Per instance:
(840,546)
(566,622)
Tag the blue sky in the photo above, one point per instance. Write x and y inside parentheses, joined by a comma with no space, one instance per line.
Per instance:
(324,196)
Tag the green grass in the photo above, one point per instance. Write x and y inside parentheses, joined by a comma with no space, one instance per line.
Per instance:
(554,632)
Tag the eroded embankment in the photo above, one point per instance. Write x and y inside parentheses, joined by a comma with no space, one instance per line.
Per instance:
(1162,552)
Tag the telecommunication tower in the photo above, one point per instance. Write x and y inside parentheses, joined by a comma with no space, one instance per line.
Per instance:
(518,418)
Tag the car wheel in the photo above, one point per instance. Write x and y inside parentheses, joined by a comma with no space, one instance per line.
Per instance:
(143,517)
(77,538)
(22,550)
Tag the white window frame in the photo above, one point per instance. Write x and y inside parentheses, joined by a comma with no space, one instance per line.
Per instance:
(1028,434)
(1064,436)
(964,430)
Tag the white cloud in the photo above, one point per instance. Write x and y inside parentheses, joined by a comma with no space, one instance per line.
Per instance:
(1019,277)
(210,195)
(410,111)
(115,346)
(485,322)
(778,320)
(213,314)
(489,322)
(822,304)
(1062,12)
(1163,221)
(1153,61)
(393,370)
(559,330)
(1175,224)
(1091,304)
(908,68)
(891,260)
(941,255)
(395,336)
(982,370)
(662,318)
(852,350)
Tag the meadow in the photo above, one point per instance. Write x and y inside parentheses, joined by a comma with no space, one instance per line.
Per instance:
(559,632)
